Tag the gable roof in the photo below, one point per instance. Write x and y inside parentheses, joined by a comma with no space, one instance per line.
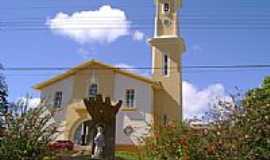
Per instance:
(87,65)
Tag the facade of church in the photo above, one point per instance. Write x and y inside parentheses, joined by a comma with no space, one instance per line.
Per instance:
(146,101)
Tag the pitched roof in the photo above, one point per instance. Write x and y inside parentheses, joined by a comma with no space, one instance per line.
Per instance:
(87,65)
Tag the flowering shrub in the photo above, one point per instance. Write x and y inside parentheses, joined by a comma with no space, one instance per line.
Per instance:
(238,129)
(27,134)
(244,133)
(166,142)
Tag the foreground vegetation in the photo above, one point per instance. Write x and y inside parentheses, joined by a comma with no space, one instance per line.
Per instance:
(27,134)
(238,129)
(126,156)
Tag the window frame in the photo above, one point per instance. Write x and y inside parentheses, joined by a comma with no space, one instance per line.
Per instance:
(130,99)
(58,99)
(89,89)
(166,5)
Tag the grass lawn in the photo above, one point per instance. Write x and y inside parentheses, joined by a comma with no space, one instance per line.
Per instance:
(126,156)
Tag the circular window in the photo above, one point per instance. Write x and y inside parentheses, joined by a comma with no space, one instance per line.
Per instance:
(128,130)
(167,22)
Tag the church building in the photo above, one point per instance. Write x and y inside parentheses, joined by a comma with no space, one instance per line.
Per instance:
(146,101)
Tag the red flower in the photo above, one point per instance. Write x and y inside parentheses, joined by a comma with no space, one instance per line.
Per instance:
(183,141)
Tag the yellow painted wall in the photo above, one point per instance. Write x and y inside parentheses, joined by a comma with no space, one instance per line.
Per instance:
(76,111)
(103,75)
(75,115)
(167,40)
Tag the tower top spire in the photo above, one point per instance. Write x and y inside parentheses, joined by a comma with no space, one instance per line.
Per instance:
(178,3)
(166,20)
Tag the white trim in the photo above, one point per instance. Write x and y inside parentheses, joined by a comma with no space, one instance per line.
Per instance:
(156,21)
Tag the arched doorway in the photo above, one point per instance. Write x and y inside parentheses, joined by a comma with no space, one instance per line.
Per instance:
(84,133)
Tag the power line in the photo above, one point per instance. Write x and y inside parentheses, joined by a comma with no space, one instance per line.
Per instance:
(257,66)
(228,66)
(255,17)
(184,27)
(145,5)
(183,15)
(184,72)
(186,24)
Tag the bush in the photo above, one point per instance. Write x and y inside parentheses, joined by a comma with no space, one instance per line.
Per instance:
(237,129)
(28,134)
(166,142)
(3,100)
(244,132)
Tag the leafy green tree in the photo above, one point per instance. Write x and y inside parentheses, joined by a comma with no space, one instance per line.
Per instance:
(238,130)
(3,99)
(256,121)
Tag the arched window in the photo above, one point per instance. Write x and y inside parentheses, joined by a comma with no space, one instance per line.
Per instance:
(84,133)
(93,90)
(58,99)
(166,7)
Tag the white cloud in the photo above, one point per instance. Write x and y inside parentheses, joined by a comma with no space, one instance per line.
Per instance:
(31,102)
(124,66)
(138,35)
(196,102)
(34,102)
(103,25)
(128,67)
(86,53)
(133,69)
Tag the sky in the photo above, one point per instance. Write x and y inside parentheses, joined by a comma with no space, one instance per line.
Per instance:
(39,33)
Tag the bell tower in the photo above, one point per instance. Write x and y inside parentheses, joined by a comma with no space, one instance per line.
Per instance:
(167,49)
(166,20)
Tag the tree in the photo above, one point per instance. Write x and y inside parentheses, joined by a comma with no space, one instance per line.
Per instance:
(239,129)
(3,99)
(256,121)
(28,133)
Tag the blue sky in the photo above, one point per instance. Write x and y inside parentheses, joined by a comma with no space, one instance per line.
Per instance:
(215,33)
